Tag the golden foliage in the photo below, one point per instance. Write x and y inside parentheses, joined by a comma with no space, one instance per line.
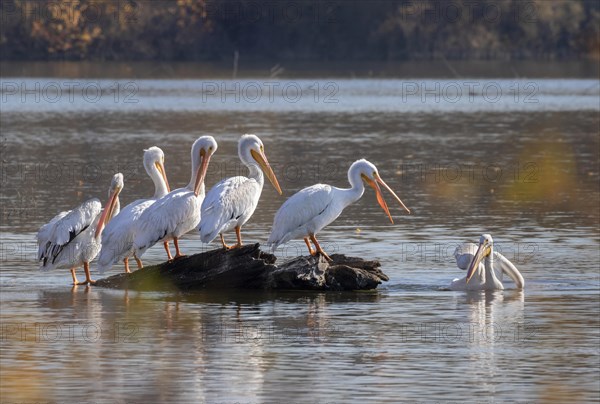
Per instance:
(383,30)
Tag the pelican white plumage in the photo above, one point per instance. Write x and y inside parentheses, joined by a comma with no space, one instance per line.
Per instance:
(73,238)
(232,201)
(177,212)
(117,238)
(305,213)
(485,267)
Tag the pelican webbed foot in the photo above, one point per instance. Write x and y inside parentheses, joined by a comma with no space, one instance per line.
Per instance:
(324,255)
(88,277)
(236,245)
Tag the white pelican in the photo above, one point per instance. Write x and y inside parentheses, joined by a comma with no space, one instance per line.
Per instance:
(305,213)
(486,275)
(117,238)
(231,202)
(73,238)
(177,212)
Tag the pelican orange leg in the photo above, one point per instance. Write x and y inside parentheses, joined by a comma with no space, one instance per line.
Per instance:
(319,249)
(310,249)
(88,278)
(178,253)
(225,246)
(126,262)
(166,245)
(238,234)
(139,262)
(75,282)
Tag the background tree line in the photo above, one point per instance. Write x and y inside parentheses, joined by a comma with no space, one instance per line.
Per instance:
(298,29)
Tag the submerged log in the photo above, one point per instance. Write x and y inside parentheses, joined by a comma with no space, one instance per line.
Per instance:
(250,268)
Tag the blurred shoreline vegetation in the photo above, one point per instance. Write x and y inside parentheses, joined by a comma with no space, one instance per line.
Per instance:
(311,30)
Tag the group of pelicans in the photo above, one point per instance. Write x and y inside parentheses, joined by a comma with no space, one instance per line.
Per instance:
(74,238)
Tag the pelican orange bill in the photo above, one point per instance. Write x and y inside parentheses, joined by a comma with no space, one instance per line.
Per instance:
(107,212)
(378,178)
(161,169)
(201,171)
(261,159)
(380,200)
(482,251)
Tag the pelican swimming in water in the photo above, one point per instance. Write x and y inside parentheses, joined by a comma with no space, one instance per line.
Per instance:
(232,201)
(178,212)
(485,267)
(305,213)
(117,238)
(73,238)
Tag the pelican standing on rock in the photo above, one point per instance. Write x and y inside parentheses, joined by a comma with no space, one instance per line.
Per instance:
(117,238)
(232,201)
(73,238)
(485,267)
(177,212)
(305,213)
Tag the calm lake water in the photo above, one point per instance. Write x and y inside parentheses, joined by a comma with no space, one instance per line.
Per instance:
(515,157)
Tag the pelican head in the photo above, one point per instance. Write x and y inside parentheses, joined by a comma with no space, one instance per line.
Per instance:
(251,149)
(369,174)
(485,249)
(202,150)
(116,185)
(154,158)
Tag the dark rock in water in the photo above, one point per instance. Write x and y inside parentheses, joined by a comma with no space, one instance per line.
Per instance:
(250,268)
